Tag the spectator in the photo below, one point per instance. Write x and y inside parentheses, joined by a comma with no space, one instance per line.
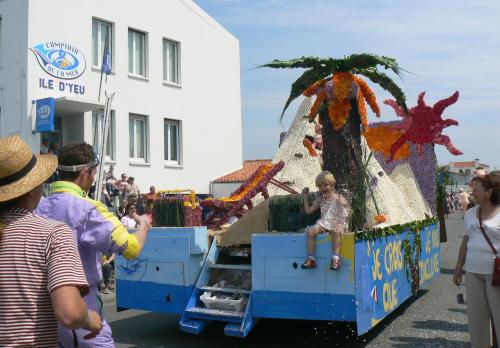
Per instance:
(476,258)
(44,147)
(121,185)
(54,148)
(110,175)
(41,274)
(132,188)
(130,220)
(107,268)
(122,210)
(97,231)
(463,199)
(149,211)
(151,195)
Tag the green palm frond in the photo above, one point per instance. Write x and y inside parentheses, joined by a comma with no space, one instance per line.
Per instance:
(305,80)
(366,60)
(319,68)
(386,83)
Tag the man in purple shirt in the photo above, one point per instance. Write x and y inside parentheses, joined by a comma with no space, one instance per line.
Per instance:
(98,232)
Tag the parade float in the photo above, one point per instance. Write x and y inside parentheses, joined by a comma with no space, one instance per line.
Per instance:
(250,269)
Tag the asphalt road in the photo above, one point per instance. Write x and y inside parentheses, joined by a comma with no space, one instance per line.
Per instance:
(431,319)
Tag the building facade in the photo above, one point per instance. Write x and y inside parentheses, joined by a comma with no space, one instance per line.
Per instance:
(176,113)
(463,172)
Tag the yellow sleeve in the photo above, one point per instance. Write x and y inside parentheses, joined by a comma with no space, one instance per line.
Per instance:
(120,236)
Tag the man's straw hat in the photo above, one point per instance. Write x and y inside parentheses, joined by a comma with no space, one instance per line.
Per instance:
(20,170)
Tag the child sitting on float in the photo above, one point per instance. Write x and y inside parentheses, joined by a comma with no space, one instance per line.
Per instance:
(335,212)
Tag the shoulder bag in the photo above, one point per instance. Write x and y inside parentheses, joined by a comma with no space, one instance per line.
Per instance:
(495,279)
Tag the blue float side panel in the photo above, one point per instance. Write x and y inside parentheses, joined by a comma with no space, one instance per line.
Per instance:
(281,289)
(382,283)
(162,278)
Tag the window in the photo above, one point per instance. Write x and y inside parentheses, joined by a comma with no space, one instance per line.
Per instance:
(136,53)
(171,141)
(98,129)
(170,61)
(100,31)
(138,133)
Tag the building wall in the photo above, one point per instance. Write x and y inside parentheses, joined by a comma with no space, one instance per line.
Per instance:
(224,189)
(13,64)
(207,103)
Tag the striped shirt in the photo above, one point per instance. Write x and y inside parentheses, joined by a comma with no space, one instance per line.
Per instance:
(37,256)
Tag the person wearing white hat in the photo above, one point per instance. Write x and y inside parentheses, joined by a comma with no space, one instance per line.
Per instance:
(41,274)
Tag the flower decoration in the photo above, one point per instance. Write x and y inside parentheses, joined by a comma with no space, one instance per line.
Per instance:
(423,124)
(380,218)
(308,143)
(337,92)
(380,139)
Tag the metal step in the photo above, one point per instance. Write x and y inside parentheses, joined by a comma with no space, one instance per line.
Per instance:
(214,314)
(227,290)
(245,267)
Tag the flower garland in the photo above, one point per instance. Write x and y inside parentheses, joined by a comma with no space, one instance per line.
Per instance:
(412,268)
(413,227)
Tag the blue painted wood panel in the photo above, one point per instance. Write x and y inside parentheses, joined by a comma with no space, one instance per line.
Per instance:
(163,276)
(382,283)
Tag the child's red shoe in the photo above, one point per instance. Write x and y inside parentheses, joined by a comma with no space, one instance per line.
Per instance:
(335,264)
(308,264)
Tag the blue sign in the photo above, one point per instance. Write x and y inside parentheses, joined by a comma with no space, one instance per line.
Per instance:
(45,115)
(60,59)
(382,284)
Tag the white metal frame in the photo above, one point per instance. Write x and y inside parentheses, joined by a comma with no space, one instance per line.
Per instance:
(137,117)
(100,48)
(166,61)
(166,137)
(144,52)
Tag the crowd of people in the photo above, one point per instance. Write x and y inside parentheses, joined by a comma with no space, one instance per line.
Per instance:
(51,249)
(459,200)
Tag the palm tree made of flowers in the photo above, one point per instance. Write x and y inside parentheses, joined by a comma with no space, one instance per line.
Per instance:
(340,103)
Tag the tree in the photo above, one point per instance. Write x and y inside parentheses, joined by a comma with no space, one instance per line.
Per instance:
(340,103)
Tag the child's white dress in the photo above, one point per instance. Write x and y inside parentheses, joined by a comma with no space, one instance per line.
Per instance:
(335,212)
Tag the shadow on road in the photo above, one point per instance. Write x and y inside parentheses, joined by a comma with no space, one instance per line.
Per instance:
(440,325)
(427,342)
(458,310)
(146,330)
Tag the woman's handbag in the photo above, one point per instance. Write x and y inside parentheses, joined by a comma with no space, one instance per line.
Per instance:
(495,279)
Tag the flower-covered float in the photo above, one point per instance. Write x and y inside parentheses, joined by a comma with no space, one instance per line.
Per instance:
(251,269)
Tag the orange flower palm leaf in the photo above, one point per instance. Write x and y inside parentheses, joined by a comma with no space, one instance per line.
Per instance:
(369,95)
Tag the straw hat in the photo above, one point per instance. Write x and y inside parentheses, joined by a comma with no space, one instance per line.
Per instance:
(20,170)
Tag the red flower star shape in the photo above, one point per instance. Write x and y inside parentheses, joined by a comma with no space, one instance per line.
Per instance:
(423,125)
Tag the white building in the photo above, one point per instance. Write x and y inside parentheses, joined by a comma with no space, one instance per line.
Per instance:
(176,114)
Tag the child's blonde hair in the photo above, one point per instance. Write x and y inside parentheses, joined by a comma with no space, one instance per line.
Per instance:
(325,177)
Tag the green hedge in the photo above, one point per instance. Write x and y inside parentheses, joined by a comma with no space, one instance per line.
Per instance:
(286,213)
(169,213)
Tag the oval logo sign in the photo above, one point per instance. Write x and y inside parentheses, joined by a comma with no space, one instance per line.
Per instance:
(43,112)
(60,59)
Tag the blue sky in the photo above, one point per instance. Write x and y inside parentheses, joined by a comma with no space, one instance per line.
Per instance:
(447,45)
